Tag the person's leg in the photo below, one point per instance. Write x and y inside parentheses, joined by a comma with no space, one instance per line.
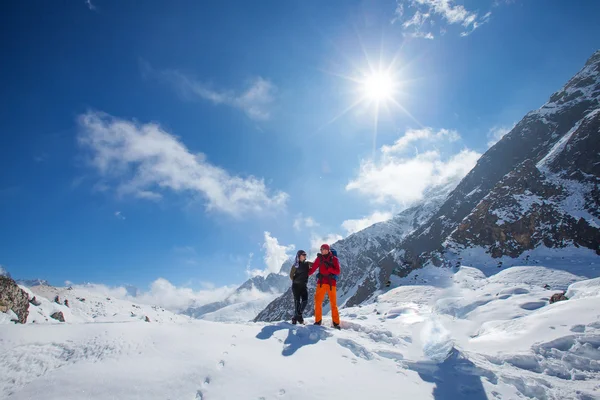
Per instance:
(335,315)
(303,300)
(319,297)
(296,293)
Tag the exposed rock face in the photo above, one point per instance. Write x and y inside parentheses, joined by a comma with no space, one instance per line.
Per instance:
(58,316)
(12,297)
(538,186)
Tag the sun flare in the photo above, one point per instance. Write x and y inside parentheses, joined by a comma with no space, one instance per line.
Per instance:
(379,86)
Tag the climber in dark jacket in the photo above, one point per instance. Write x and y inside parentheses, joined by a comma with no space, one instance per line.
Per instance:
(299,277)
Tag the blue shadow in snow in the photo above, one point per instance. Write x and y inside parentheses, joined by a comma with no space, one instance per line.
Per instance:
(454,378)
(298,336)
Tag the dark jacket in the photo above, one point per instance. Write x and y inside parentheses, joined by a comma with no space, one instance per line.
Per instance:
(299,274)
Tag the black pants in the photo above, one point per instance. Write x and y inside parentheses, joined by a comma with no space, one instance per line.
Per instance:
(300,298)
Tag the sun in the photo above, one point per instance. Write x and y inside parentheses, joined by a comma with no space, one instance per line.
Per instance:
(379,86)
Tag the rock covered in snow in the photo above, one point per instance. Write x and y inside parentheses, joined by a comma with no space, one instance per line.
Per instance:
(59,316)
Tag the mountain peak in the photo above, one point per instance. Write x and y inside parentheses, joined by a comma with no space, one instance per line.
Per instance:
(594,59)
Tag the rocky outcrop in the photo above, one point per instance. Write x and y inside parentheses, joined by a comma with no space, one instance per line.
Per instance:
(35,302)
(12,297)
(556,297)
(58,316)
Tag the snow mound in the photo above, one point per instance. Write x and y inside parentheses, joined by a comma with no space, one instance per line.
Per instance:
(533,275)
(584,289)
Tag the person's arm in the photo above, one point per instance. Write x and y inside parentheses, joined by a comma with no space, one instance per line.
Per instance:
(292,272)
(336,267)
(313,267)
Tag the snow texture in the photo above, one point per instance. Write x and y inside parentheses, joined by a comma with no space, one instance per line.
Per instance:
(461,335)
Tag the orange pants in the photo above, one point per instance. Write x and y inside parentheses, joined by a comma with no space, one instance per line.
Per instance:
(322,290)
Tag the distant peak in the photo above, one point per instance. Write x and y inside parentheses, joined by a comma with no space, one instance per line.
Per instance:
(594,59)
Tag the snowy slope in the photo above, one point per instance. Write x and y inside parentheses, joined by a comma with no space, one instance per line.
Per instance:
(463,336)
(88,305)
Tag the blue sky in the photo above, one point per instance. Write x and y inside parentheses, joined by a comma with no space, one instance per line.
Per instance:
(147,140)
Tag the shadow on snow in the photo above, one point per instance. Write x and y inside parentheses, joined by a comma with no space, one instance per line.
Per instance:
(454,378)
(298,336)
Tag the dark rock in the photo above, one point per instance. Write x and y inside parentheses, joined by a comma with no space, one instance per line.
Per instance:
(35,302)
(58,316)
(12,297)
(147,319)
(66,302)
(57,299)
(558,297)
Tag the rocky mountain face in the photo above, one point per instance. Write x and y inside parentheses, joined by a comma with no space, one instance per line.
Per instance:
(12,297)
(359,256)
(554,204)
(538,186)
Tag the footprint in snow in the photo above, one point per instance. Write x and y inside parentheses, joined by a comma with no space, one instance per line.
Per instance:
(281,392)
(199,395)
(206,381)
(225,353)
(221,364)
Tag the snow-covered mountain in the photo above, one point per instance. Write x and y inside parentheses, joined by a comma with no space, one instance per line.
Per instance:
(247,300)
(531,197)
(359,255)
(32,282)
(460,336)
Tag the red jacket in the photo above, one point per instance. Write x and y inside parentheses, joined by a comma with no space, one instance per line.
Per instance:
(329,265)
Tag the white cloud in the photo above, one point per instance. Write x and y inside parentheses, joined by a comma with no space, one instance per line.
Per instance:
(401,179)
(255,100)
(354,225)
(419,15)
(90,5)
(496,133)
(119,215)
(275,255)
(424,135)
(300,222)
(422,35)
(163,293)
(144,160)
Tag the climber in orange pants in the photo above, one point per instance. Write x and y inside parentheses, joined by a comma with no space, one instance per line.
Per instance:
(329,268)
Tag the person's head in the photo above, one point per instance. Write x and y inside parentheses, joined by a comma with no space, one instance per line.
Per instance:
(325,249)
(301,255)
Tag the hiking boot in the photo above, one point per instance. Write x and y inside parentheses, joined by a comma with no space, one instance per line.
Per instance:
(317,322)
(294,320)
(300,320)
(337,326)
